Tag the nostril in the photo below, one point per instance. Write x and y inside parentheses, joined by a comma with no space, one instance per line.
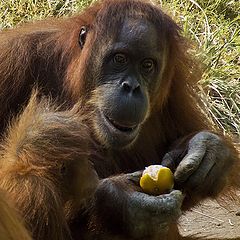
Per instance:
(137,88)
(130,86)
(126,86)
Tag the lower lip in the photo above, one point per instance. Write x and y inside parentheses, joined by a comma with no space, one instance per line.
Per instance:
(114,128)
(123,136)
(118,126)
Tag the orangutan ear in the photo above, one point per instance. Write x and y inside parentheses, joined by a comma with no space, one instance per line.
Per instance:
(82,36)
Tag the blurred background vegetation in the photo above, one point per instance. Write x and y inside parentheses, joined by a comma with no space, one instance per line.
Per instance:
(214,25)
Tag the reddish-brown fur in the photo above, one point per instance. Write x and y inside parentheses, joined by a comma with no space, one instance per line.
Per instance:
(45,168)
(47,54)
(11,225)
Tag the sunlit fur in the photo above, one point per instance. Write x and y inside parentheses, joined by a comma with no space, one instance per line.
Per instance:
(45,168)
(11,225)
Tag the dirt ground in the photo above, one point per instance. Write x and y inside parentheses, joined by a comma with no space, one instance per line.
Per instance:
(211,221)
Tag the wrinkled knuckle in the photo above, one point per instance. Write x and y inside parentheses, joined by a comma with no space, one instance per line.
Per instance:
(177,195)
(181,176)
(172,201)
(134,176)
(105,187)
(215,139)
(205,135)
(105,182)
(189,165)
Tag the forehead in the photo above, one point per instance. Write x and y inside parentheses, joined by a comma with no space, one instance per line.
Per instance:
(138,33)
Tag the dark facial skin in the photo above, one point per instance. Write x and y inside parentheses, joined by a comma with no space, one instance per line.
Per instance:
(130,70)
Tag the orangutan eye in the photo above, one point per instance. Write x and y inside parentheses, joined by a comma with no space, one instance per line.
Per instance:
(147,66)
(120,58)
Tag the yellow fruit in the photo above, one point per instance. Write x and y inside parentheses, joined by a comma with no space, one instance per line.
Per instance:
(156,179)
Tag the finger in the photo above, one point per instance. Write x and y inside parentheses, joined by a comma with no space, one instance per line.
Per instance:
(210,168)
(198,178)
(134,177)
(170,203)
(216,177)
(172,158)
(196,150)
(168,160)
(165,204)
(190,162)
(148,213)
